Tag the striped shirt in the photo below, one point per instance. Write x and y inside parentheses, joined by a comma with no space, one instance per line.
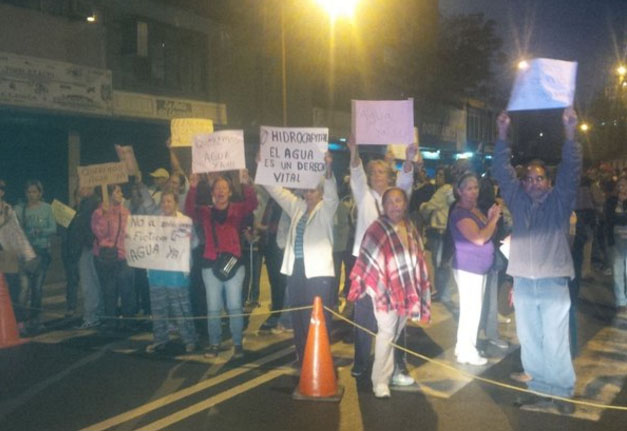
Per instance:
(298,241)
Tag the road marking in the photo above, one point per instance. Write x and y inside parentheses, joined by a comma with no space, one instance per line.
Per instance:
(161,402)
(210,402)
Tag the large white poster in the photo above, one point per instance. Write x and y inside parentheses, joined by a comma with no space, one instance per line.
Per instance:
(158,242)
(219,151)
(292,157)
(383,122)
(544,84)
(37,82)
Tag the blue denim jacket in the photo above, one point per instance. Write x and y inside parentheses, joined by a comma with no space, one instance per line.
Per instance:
(539,244)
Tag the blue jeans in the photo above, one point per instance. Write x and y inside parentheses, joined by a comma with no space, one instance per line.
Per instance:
(93,306)
(542,314)
(233,294)
(35,284)
(619,260)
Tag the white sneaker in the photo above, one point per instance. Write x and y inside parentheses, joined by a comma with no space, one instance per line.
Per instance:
(472,360)
(401,379)
(382,391)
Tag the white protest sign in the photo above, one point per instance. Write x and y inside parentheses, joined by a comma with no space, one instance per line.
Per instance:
(63,214)
(383,122)
(103,173)
(399,150)
(127,156)
(158,242)
(544,84)
(219,151)
(183,130)
(292,157)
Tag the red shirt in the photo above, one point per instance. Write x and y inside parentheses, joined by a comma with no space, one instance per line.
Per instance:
(227,233)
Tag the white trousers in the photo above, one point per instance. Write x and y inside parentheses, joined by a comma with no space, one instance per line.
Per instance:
(390,324)
(471,288)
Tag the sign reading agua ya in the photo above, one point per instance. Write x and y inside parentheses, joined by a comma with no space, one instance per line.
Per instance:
(544,84)
(383,122)
(158,242)
(292,157)
(219,151)
(103,173)
(183,130)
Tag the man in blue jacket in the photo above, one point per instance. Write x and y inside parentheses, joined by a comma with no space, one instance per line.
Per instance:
(541,264)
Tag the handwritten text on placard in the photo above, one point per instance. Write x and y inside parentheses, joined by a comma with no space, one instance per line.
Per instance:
(158,242)
(292,157)
(219,151)
(103,173)
(383,122)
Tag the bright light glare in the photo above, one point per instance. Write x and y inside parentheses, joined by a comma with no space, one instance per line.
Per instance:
(337,8)
(584,127)
(466,155)
(621,70)
(523,64)
(430,155)
(91,18)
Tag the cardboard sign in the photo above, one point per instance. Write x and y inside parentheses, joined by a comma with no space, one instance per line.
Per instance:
(158,242)
(383,122)
(292,157)
(545,84)
(219,151)
(127,156)
(103,173)
(399,150)
(63,214)
(183,130)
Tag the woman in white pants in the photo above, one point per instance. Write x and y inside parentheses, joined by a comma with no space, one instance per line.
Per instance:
(391,270)
(474,253)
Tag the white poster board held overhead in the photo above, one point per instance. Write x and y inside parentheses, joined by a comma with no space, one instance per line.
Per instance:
(219,151)
(383,122)
(544,84)
(183,130)
(292,157)
(399,151)
(158,242)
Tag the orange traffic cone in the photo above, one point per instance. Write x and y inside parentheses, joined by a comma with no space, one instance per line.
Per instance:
(317,377)
(9,335)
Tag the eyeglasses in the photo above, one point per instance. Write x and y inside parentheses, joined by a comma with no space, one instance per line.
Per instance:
(537,179)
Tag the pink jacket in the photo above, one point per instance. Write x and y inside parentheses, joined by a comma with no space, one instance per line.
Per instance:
(105,228)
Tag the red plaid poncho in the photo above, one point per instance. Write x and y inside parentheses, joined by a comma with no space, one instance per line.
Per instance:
(383,267)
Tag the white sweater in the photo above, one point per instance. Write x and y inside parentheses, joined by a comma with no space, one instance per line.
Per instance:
(318,236)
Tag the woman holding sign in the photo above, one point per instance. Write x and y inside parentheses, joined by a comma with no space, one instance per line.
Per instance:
(169,294)
(222,223)
(308,258)
(108,223)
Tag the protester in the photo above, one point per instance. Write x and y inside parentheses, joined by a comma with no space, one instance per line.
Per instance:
(367,192)
(541,264)
(308,257)
(616,222)
(435,213)
(108,223)
(13,241)
(81,238)
(391,272)
(472,233)
(39,225)
(169,294)
(222,224)
(160,179)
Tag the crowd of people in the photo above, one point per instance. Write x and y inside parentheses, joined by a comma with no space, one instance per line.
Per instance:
(388,229)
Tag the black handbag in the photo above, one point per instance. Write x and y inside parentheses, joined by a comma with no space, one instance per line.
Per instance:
(226,264)
(109,255)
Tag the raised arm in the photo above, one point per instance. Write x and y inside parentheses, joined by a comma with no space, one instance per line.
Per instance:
(569,169)
(473,233)
(504,172)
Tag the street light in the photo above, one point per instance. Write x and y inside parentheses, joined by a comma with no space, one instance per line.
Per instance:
(584,127)
(621,70)
(337,8)
(522,64)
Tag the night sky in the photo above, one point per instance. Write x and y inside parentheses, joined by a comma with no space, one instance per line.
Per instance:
(591,32)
